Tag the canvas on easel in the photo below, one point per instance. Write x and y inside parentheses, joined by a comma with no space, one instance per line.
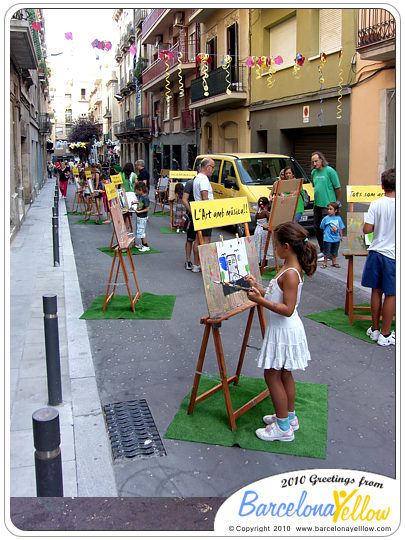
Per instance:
(91,208)
(161,193)
(283,207)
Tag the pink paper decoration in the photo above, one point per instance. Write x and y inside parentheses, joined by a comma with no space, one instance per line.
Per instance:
(36,26)
(132,50)
(68,35)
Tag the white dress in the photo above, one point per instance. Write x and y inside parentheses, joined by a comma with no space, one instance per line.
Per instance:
(260,238)
(285,343)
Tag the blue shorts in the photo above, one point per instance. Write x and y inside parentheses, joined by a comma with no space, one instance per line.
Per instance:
(330,249)
(379,273)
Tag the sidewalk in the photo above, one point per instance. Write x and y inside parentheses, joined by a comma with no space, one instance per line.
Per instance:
(84,442)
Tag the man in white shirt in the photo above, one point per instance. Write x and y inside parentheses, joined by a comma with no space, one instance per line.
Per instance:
(202,191)
(379,270)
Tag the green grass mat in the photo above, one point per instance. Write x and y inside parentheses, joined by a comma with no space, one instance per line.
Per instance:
(159,214)
(149,306)
(89,222)
(166,230)
(269,274)
(134,251)
(74,214)
(209,422)
(336,318)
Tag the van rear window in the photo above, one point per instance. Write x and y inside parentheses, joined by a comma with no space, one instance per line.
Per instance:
(265,171)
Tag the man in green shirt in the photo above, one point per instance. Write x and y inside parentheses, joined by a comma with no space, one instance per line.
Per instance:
(326,189)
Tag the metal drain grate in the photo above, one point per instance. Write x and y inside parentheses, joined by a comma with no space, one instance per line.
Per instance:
(132,430)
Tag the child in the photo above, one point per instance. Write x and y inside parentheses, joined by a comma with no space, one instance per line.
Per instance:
(332,226)
(285,344)
(262,226)
(180,213)
(379,270)
(141,191)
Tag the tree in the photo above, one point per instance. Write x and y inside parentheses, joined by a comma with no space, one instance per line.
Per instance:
(84,131)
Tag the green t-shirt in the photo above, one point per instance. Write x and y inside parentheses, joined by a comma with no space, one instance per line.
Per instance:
(300,205)
(325,182)
(128,182)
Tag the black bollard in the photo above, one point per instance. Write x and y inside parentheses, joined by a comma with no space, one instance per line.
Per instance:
(52,349)
(48,457)
(55,236)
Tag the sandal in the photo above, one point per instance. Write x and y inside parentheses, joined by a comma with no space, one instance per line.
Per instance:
(336,265)
(324,266)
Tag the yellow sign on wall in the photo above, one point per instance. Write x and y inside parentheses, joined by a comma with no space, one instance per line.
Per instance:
(182,174)
(219,212)
(363,193)
(111,191)
(116,179)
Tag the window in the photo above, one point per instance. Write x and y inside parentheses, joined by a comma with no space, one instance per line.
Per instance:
(283,42)
(211,48)
(228,172)
(330,30)
(176,105)
(83,93)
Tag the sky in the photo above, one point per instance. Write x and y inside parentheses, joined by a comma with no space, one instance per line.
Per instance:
(86,25)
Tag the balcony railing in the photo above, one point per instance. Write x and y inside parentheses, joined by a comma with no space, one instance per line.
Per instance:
(140,15)
(374,26)
(45,123)
(217,82)
(158,67)
(151,19)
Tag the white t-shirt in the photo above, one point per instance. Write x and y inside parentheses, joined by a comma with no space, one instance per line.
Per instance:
(381,214)
(201,183)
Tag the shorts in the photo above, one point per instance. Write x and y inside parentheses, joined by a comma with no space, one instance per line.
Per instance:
(141,226)
(379,273)
(330,249)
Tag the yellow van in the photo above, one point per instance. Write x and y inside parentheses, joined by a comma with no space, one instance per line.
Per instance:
(252,176)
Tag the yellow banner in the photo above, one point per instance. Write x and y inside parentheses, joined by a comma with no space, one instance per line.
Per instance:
(116,179)
(363,193)
(111,191)
(75,172)
(219,212)
(87,174)
(182,174)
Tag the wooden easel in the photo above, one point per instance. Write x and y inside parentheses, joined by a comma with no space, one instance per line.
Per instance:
(171,197)
(214,325)
(91,207)
(125,212)
(78,198)
(279,214)
(124,244)
(161,193)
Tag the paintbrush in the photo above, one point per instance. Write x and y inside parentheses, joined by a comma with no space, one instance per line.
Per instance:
(234,286)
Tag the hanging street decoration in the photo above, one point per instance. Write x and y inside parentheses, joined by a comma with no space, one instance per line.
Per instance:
(298,63)
(322,59)
(203,59)
(68,35)
(225,64)
(132,50)
(101,45)
(264,64)
(340,81)
(166,56)
(36,26)
(181,85)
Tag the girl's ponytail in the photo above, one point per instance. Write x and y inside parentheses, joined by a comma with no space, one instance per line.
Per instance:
(296,236)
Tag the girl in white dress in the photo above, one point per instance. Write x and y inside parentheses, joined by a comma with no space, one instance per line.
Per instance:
(262,227)
(285,344)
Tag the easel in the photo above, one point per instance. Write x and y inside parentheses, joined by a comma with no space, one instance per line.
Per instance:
(161,192)
(123,202)
(124,244)
(283,209)
(171,197)
(90,209)
(213,325)
(78,198)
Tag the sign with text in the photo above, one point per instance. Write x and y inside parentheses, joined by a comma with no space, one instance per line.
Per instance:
(110,191)
(363,193)
(87,174)
(116,179)
(182,174)
(75,172)
(219,212)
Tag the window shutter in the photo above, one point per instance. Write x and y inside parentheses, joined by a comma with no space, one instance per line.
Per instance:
(283,41)
(330,30)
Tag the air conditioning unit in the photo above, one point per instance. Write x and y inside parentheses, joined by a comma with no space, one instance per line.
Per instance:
(179,18)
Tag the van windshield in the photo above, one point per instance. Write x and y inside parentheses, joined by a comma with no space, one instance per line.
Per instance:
(264,171)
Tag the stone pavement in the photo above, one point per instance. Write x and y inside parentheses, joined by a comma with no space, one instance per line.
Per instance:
(84,442)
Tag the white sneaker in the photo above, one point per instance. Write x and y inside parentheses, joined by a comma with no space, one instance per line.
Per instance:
(385,341)
(138,246)
(196,269)
(274,433)
(321,255)
(373,334)
(144,248)
(271,419)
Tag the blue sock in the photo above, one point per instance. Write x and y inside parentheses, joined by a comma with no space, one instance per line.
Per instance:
(283,423)
(291,415)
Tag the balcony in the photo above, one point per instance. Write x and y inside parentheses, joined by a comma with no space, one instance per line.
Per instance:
(201,15)
(45,125)
(217,86)
(140,16)
(153,24)
(22,47)
(107,113)
(156,72)
(139,126)
(376,35)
